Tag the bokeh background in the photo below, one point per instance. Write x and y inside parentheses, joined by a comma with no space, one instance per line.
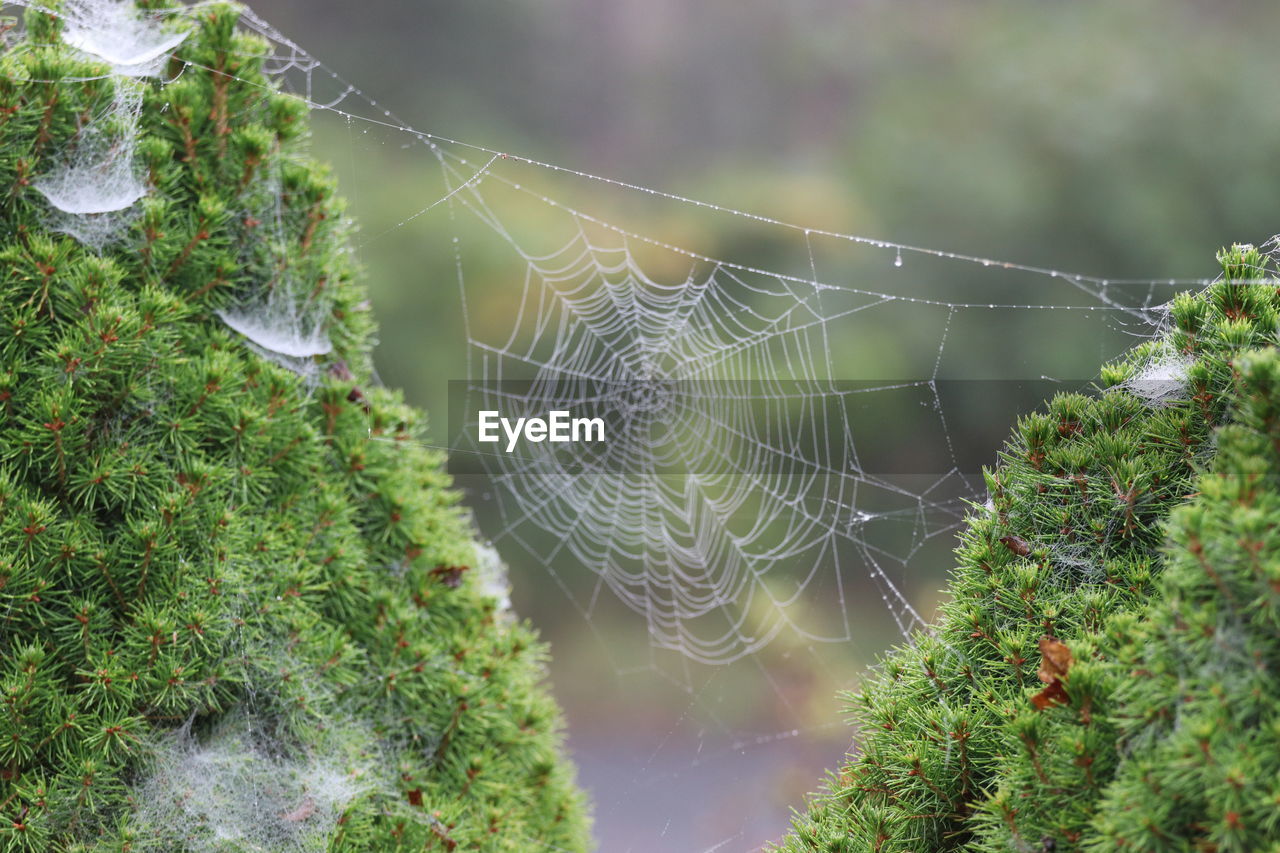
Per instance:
(1119,139)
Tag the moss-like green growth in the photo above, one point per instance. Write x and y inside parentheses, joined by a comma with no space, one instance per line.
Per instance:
(1075,693)
(237,612)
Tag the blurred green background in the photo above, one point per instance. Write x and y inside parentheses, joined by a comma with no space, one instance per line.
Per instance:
(1123,139)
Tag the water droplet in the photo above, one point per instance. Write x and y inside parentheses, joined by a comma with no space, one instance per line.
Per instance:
(897,260)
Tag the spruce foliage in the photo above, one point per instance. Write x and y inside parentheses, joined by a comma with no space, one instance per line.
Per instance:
(211,565)
(1197,680)
(1088,686)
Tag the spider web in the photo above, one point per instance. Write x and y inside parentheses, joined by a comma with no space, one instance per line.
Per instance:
(701,515)
(787,451)
(735,480)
